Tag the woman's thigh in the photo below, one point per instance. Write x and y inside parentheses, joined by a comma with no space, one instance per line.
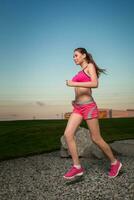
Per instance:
(74,121)
(93,125)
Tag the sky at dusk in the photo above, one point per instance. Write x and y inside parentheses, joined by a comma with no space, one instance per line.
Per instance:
(37,40)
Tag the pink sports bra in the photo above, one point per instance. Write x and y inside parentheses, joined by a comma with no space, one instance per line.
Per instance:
(81,76)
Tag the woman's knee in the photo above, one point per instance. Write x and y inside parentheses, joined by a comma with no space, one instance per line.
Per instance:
(68,134)
(97,139)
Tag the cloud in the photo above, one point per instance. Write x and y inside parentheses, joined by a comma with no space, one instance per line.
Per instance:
(13,115)
(40,103)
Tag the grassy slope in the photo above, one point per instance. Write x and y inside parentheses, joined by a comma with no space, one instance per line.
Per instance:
(28,137)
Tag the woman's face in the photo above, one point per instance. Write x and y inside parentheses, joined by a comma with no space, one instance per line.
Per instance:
(78,57)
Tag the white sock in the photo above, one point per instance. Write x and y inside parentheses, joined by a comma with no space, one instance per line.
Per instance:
(113,163)
(77,166)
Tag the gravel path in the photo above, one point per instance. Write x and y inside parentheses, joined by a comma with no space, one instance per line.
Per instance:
(39,177)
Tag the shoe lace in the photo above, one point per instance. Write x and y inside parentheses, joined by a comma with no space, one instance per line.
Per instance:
(112,167)
(72,168)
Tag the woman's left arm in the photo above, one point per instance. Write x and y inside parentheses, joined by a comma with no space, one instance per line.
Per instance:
(94,79)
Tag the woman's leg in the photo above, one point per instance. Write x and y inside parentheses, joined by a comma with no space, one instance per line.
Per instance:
(72,125)
(93,125)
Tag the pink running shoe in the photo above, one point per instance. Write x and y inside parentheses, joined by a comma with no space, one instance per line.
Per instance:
(114,169)
(73,172)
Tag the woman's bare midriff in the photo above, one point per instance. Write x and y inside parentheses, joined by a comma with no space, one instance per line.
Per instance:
(82,94)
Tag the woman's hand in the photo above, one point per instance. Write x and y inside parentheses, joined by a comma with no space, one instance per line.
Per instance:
(69,83)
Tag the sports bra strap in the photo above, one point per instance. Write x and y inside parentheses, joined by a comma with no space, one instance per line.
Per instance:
(85,67)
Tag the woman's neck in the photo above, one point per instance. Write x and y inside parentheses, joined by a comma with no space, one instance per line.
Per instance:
(84,66)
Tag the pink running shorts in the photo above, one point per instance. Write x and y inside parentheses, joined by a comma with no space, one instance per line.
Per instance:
(88,109)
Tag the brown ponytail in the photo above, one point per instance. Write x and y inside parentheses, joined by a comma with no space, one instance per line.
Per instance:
(90,59)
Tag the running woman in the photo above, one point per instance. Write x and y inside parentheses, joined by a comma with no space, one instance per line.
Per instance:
(84,107)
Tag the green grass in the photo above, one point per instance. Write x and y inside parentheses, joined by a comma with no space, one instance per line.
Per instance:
(28,137)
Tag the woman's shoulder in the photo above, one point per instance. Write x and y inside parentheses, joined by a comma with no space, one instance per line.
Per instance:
(90,65)
(90,69)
